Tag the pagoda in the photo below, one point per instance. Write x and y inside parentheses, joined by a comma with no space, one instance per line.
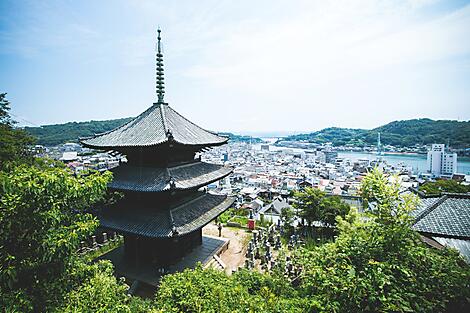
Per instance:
(165,205)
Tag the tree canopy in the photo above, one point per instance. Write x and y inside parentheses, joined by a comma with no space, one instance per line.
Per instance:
(42,221)
(315,205)
(443,185)
(14,142)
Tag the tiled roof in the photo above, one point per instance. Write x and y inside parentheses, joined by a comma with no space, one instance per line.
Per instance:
(166,222)
(276,206)
(158,124)
(447,216)
(153,179)
(423,204)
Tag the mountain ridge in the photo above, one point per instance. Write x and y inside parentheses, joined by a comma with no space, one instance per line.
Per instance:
(401,133)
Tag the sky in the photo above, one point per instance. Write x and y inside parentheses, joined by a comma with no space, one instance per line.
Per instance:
(240,66)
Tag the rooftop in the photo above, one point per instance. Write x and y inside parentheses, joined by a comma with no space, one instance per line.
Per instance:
(165,223)
(156,179)
(445,216)
(159,124)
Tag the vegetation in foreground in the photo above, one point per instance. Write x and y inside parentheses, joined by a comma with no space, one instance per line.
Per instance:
(375,264)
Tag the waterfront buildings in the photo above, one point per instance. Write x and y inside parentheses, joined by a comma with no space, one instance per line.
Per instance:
(440,162)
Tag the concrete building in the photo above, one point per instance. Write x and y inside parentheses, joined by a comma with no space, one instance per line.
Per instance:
(329,156)
(440,162)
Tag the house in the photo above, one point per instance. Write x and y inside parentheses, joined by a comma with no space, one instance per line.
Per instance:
(275,207)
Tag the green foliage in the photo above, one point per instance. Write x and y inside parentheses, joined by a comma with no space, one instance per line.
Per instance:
(314,205)
(287,217)
(389,205)
(209,290)
(42,221)
(435,188)
(368,269)
(109,246)
(398,133)
(52,135)
(101,292)
(14,142)
(378,264)
(224,217)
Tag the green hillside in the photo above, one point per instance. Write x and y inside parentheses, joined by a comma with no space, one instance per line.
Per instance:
(52,135)
(398,133)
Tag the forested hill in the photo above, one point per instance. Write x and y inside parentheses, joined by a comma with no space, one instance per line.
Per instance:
(52,135)
(398,133)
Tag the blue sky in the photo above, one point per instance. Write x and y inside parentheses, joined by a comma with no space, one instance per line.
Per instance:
(243,66)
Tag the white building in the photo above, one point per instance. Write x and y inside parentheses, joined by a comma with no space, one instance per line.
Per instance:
(440,162)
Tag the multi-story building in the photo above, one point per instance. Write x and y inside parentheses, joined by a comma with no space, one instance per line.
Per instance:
(440,162)
(330,156)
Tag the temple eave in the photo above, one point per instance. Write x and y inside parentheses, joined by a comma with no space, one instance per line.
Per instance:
(86,143)
(150,179)
(185,218)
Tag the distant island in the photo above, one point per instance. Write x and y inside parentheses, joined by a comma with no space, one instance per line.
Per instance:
(405,133)
(53,135)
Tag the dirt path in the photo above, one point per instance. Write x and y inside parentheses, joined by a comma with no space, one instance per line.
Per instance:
(234,256)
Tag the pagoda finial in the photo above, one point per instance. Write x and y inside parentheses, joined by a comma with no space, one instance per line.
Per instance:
(160,86)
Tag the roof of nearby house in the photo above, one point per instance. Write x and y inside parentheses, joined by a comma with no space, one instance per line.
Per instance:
(276,206)
(69,156)
(155,179)
(176,221)
(445,216)
(157,125)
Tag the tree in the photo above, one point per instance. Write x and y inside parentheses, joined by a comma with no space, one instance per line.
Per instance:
(209,290)
(287,218)
(42,221)
(442,185)
(308,204)
(331,208)
(315,205)
(101,292)
(14,142)
(379,264)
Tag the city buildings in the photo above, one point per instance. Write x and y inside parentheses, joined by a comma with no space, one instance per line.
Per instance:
(440,162)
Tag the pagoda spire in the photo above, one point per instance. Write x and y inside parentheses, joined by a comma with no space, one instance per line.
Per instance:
(160,85)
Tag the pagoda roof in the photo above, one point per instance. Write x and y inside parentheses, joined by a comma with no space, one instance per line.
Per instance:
(159,124)
(157,179)
(165,223)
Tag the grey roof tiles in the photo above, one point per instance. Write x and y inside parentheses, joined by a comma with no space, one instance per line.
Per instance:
(155,179)
(158,124)
(447,216)
(155,223)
